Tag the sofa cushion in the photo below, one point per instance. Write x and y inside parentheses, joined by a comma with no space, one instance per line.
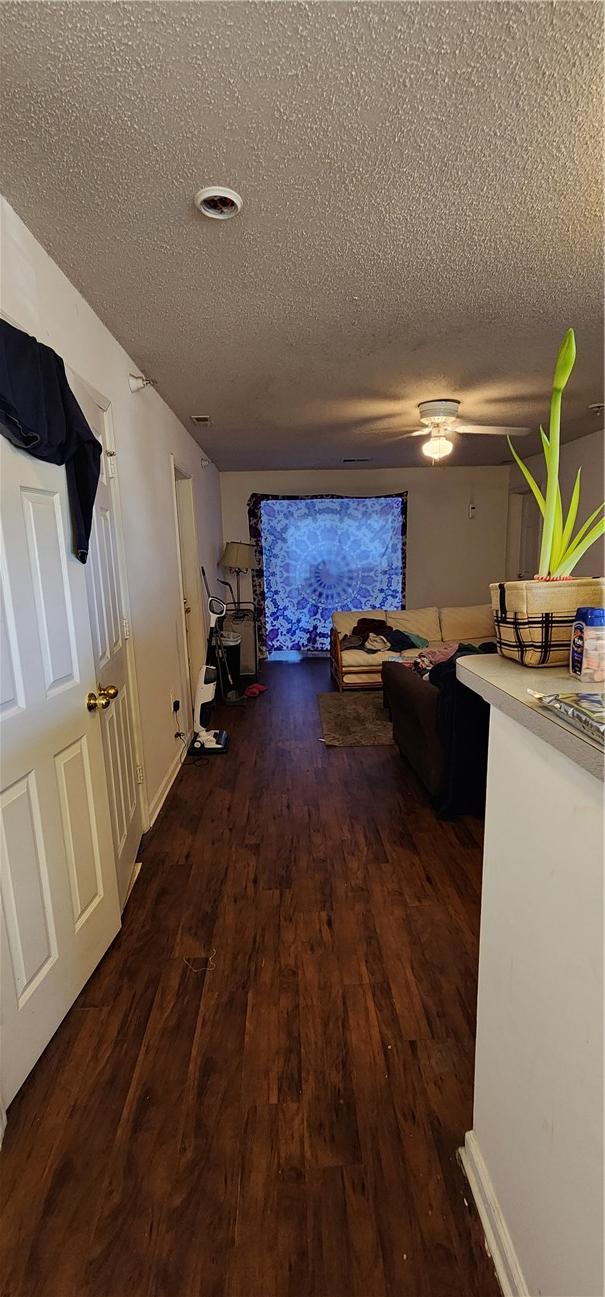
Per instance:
(472,623)
(420,621)
(345,621)
(491,639)
(357,660)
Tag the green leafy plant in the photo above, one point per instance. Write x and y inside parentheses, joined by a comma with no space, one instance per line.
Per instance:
(560,550)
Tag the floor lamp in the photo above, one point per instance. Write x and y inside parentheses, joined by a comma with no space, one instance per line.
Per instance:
(239,557)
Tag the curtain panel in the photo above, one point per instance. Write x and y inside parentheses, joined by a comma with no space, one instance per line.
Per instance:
(320,554)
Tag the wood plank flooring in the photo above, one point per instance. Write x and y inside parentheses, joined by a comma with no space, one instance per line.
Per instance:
(285,1122)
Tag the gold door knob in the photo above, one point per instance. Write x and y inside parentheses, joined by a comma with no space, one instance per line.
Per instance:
(108,691)
(98,702)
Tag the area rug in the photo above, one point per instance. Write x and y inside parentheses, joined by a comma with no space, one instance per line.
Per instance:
(354,720)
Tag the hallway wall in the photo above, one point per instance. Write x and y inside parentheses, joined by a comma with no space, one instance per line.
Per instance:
(37,296)
(451,559)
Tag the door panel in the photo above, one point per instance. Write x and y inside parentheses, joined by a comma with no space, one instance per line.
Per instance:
(106,596)
(98,617)
(11,680)
(119,811)
(26,887)
(58,888)
(52,596)
(79,828)
(109,583)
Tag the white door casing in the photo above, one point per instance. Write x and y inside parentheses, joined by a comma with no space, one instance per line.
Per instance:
(530,538)
(110,623)
(194,630)
(60,908)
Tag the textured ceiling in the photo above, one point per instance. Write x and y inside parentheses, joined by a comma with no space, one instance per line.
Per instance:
(422,208)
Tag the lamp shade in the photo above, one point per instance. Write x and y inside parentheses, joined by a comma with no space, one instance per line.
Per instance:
(239,556)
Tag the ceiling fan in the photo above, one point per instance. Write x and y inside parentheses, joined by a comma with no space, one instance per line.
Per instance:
(440,420)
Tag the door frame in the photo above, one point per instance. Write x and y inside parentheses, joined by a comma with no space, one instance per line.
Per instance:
(114,485)
(189,578)
(519,501)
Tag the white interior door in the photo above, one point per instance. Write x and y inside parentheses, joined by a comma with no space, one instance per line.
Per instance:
(59,897)
(530,539)
(110,638)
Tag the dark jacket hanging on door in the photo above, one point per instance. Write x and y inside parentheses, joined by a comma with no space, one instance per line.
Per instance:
(39,413)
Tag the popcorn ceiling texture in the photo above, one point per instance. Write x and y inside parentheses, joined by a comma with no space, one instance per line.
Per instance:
(422,208)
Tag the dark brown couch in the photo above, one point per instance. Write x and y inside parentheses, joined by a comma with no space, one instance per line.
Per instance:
(412,705)
(442,731)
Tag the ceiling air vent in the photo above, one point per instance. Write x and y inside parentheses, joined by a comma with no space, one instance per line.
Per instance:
(357,461)
(201,420)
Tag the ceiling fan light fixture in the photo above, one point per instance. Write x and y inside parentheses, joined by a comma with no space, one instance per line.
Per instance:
(437,448)
(438,413)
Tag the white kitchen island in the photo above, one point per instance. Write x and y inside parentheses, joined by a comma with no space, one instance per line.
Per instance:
(534,1158)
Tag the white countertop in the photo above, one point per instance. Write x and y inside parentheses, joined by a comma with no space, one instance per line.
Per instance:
(504,684)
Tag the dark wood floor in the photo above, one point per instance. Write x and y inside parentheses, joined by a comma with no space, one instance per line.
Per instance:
(285,1123)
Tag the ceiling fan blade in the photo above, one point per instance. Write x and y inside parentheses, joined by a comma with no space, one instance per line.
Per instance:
(491,430)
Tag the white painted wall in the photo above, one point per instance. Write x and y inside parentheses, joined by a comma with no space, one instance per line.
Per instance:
(587,453)
(536,1150)
(38,297)
(451,559)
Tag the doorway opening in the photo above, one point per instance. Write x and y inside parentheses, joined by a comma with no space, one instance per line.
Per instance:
(193,629)
(523,537)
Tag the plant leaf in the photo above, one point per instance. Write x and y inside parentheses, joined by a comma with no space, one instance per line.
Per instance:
(574,557)
(582,532)
(572,513)
(531,482)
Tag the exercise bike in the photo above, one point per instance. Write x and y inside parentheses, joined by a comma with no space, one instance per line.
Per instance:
(205,740)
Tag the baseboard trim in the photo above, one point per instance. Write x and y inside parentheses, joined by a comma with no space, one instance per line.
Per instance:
(160,796)
(136,869)
(497,1237)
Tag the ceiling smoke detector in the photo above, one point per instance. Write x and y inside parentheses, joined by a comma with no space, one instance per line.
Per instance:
(218,202)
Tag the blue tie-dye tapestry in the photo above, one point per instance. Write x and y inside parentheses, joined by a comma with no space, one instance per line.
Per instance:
(319,554)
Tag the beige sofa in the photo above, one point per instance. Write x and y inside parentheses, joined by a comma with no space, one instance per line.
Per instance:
(355,669)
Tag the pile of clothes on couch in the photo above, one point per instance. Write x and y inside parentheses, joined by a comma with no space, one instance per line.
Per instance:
(372,635)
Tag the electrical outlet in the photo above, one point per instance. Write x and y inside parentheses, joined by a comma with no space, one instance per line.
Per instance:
(176,704)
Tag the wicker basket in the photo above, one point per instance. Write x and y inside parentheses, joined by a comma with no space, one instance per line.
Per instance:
(534,619)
